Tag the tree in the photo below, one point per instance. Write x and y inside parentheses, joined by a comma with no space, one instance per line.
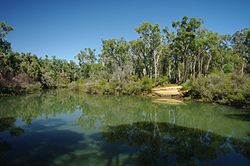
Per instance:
(241,44)
(150,35)
(183,45)
(115,55)
(87,55)
(4,44)
(86,59)
(30,64)
(136,53)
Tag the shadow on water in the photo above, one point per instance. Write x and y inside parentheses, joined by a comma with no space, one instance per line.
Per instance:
(148,143)
(139,143)
(38,147)
(8,124)
(164,143)
(243,117)
(71,129)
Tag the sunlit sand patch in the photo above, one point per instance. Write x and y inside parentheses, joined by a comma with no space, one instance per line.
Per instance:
(168,101)
(168,91)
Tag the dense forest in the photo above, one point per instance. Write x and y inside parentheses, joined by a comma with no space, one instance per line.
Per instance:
(211,66)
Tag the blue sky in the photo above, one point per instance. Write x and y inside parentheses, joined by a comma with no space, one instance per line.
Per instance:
(62,28)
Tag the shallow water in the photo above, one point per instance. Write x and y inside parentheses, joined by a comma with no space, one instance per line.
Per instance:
(67,128)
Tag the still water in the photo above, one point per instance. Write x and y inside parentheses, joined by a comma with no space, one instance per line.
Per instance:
(69,128)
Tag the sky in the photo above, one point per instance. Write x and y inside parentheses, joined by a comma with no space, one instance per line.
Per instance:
(62,28)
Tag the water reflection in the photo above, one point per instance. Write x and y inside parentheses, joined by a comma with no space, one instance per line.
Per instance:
(146,143)
(141,143)
(101,111)
(8,124)
(244,117)
(160,143)
(38,146)
(66,128)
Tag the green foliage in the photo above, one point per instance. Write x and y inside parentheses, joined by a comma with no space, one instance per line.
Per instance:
(150,48)
(228,68)
(4,44)
(114,54)
(132,88)
(87,59)
(233,89)
(162,81)
(31,88)
(241,45)
(156,58)
(146,84)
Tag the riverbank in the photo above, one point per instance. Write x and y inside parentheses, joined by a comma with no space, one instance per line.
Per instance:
(216,88)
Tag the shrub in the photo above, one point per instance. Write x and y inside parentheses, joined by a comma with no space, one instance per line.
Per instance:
(228,68)
(91,88)
(146,84)
(76,86)
(223,88)
(114,87)
(162,81)
(133,88)
(31,88)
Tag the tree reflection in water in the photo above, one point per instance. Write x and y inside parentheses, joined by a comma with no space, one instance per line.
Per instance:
(66,128)
(8,124)
(173,144)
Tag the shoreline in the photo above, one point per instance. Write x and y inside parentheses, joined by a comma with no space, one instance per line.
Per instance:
(149,95)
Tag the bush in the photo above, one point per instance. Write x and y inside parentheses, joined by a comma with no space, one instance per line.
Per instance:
(91,88)
(223,88)
(146,84)
(228,68)
(31,88)
(162,81)
(76,86)
(132,88)
(113,87)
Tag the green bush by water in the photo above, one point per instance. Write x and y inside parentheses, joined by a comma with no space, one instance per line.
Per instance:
(231,89)
(133,86)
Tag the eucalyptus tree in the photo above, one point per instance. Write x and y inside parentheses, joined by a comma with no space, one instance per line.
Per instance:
(87,55)
(150,35)
(200,47)
(115,56)
(183,45)
(86,59)
(4,44)
(73,71)
(208,50)
(30,64)
(166,62)
(241,44)
(5,47)
(136,53)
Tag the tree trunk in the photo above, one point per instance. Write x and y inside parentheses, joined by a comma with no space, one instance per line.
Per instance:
(242,68)
(201,65)
(169,71)
(194,64)
(208,63)
(179,75)
(155,61)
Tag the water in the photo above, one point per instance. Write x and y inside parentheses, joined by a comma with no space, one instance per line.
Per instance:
(66,128)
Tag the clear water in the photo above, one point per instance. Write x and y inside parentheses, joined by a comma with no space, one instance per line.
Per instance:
(67,128)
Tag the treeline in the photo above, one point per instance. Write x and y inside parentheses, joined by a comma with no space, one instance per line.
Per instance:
(156,57)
